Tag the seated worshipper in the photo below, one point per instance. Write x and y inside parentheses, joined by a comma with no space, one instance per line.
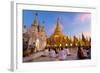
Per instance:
(52,53)
(67,51)
(46,52)
(62,54)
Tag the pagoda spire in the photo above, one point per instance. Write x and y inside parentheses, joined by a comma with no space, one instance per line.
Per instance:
(38,26)
(57,25)
(35,20)
(83,37)
(42,29)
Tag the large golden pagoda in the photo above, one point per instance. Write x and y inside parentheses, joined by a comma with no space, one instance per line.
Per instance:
(57,32)
(57,38)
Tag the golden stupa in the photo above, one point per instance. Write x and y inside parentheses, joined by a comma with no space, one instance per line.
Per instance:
(57,38)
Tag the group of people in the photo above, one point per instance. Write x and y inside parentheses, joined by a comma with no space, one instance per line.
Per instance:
(58,53)
(63,53)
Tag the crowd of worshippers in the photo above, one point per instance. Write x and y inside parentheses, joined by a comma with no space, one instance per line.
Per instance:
(59,53)
(62,53)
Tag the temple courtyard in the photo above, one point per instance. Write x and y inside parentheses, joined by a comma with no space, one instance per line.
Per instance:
(38,57)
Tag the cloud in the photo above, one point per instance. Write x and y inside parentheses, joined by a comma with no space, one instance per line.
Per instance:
(83,17)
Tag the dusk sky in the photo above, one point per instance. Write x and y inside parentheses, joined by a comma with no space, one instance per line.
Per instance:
(72,23)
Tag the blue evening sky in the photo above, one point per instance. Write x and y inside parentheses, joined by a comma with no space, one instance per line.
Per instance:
(72,23)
